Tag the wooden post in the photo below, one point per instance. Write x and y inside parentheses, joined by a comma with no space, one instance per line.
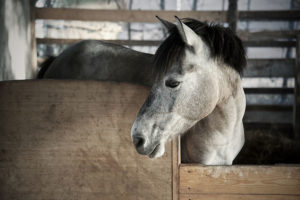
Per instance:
(232,14)
(33,39)
(297,92)
(176,160)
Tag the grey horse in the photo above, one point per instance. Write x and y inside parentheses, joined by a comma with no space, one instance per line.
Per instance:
(196,90)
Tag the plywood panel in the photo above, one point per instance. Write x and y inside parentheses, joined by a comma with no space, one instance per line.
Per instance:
(237,197)
(71,140)
(256,180)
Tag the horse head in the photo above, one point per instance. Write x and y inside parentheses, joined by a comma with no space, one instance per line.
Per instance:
(186,90)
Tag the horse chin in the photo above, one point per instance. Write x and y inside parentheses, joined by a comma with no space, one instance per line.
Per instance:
(158,151)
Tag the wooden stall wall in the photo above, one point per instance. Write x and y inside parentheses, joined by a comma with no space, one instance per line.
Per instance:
(71,140)
(239,182)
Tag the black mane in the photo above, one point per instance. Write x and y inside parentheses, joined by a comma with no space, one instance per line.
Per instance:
(222,42)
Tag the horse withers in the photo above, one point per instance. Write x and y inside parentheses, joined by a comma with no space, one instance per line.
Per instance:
(196,88)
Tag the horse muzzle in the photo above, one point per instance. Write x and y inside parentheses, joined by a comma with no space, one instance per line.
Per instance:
(142,145)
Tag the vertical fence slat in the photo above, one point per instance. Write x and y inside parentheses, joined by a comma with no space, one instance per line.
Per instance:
(297,92)
(176,160)
(232,14)
(33,38)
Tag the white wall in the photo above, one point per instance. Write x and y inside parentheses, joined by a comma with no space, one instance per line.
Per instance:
(15,57)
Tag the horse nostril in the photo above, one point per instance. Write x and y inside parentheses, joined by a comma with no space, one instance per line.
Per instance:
(138,141)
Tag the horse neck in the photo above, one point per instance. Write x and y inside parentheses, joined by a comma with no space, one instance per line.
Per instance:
(217,139)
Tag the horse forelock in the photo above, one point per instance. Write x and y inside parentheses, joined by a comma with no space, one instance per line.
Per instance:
(222,43)
(171,51)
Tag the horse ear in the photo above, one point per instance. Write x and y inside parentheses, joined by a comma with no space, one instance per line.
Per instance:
(188,36)
(168,25)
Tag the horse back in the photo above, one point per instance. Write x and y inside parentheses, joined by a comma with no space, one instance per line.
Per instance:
(98,60)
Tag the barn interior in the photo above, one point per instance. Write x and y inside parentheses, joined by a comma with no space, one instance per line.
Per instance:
(32,31)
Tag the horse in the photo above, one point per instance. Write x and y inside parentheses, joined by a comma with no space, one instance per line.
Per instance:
(196,90)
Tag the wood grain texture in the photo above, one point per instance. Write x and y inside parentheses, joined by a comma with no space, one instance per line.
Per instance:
(175,172)
(255,180)
(125,15)
(237,197)
(149,15)
(71,140)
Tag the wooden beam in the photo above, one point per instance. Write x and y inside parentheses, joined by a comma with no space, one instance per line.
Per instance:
(269,43)
(271,108)
(175,167)
(296,119)
(262,43)
(267,115)
(121,42)
(125,15)
(242,180)
(56,41)
(33,39)
(149,15)
(237,197)
(270,68)
(267,15)
(232,14)
(267,35)
(269,90)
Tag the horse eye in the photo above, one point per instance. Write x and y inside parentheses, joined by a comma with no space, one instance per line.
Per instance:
(172,83)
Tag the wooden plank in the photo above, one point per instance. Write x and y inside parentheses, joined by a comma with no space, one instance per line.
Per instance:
(267,116)
(263,43)
(267,35)
(149,15)
(237,197)
(270,68)
(269,90)
(71,140)
(33,39)
(296,119)
(125,15)
(121,42)
(232,14)
(285,127)
(56,41)
(256,180)
(269,43)
(274,108)
(175,168)
(267,15)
